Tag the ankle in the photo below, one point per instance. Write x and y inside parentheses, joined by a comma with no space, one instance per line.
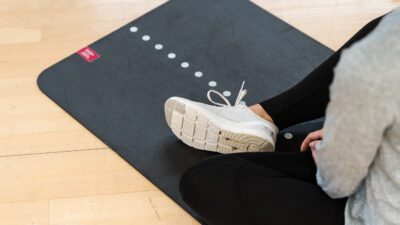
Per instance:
(259,110)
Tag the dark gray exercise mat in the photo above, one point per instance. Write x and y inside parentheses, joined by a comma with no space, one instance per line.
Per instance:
(120,95)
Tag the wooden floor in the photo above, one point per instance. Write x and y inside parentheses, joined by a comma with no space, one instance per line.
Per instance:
(54,171)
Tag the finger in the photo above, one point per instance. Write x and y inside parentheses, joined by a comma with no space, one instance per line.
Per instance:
(312,145)
(316,135)
(304,144)
(310,137)
(306,141)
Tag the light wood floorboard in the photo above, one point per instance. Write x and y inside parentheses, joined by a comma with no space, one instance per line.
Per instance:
(53,170)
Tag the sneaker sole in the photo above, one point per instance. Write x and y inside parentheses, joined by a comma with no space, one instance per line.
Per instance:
(194,128)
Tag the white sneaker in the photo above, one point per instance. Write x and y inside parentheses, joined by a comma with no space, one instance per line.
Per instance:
(224,129)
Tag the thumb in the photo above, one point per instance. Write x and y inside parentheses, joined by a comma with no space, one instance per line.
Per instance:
(312,145)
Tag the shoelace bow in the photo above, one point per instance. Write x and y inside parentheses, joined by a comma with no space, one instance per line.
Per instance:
(239,98)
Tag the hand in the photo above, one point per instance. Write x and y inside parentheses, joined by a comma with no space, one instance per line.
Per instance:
(311,140)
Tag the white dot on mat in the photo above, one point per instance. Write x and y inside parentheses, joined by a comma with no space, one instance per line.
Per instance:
(288,135)
(185,65)
(133,29)
(212,83)
(146,38)
(158,46)
(171,55)
(226,93)
(198,74)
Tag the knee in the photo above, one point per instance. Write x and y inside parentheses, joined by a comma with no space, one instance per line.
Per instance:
(207,174)
(208,187)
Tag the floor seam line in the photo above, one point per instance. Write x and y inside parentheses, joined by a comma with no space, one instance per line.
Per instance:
(43,153)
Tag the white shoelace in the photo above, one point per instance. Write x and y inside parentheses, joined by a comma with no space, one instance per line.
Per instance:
(239,98)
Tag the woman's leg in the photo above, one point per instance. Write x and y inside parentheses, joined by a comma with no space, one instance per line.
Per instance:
(308,99)
(259,188)
(271,188)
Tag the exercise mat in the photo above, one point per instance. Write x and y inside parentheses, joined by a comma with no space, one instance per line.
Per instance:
(117,86)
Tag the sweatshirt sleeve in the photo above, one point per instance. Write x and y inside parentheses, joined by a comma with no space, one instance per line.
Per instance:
(357,116)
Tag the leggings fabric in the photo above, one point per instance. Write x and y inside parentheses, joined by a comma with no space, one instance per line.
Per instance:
(308,99)
(259,188)
(277,188)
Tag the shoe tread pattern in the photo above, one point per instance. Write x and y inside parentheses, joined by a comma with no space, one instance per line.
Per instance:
(196,130)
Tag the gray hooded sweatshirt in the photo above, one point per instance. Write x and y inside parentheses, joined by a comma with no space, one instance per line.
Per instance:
(359,156)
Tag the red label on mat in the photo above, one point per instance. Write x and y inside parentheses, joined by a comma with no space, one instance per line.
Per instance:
(88,54)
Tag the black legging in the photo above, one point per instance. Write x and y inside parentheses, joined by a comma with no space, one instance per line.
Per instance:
(308,99)
(271,188)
